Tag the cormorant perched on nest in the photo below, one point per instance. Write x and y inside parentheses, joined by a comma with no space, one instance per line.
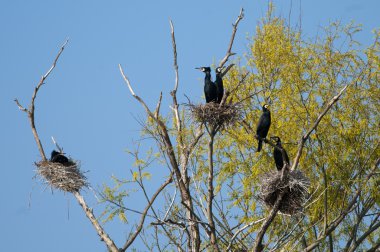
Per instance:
(209,88)
(277,154)
(57,157)
(219,84)
(263,126)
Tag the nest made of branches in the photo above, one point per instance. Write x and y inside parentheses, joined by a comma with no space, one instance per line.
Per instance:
(66,177)
(215,114)
(296,185)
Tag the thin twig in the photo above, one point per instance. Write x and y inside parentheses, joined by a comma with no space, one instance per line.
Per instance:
(157,111)
(169,150)
(174,56)
(57,145)
(334,224)
(142,219)
(241,230)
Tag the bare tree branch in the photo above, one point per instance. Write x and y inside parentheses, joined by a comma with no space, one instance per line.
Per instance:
(334,224)
(306,136)
(354,229)
(181,179)
(174,91)
(103,235)
(142,219)
(210,196)
(241,230)
(157,111)
(234,29)
(30,111)
(258,247)
(175,58)
(364,236)
(90,215)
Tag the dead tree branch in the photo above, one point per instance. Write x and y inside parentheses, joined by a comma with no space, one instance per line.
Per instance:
(234,29)
(144,214)
(169,150)
(30,111)
(173,93)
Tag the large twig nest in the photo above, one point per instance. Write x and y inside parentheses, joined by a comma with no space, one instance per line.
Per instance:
(216,114)
(66,177)
(296,185)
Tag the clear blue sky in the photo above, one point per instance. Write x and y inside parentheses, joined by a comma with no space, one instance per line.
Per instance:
(85,103)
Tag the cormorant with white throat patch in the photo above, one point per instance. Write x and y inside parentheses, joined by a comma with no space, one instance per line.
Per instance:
(219,84)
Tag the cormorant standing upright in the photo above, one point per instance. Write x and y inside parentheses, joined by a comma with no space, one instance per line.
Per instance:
(277,154)
(209,88)
(219,84)
(57,157)
(263,126)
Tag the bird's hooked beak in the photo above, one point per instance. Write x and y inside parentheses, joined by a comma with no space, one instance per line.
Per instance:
(200,68)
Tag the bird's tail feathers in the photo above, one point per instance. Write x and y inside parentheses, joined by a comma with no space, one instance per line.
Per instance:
(260,146)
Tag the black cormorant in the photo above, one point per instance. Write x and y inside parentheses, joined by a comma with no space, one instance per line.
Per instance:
(219,84)
(263,126)
(277,154)
(209,88)
(57,157)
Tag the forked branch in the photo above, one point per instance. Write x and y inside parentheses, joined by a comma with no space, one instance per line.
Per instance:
(129,242)
(30,111)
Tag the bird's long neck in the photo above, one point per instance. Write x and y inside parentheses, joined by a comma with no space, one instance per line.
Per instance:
(218,77)
(207,76)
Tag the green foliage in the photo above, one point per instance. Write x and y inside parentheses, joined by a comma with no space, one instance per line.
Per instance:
(297,76)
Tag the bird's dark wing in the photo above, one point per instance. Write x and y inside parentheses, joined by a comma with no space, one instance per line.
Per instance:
(277,155)
(59,158)
(263,125)
(260,145)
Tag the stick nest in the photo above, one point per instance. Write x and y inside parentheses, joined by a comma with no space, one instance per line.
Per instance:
(216,115)
(296,185)
(66,177)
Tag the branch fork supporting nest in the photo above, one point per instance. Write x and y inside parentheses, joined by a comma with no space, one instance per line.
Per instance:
(295,185)
(216,115)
